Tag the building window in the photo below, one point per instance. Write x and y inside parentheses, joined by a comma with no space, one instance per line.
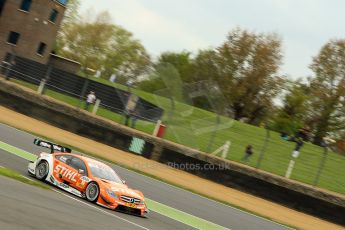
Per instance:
(13,38)
(41,48)
(2,4)
(53,15)
(25,5)
(7,57)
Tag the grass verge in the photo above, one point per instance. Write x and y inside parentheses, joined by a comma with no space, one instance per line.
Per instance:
(15,175)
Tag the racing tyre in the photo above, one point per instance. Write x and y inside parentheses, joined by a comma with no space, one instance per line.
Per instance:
(92,192)
(42,170)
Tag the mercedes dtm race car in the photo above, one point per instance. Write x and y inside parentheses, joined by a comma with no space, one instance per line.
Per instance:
(86,178)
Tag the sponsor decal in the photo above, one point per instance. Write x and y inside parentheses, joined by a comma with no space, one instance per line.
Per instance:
(44,144)
(83,181)
(51,146)
(64,185)
(131,205)
(75,192)
(48,145)
(81,184)
(63,159)
(85,178)
(65,172)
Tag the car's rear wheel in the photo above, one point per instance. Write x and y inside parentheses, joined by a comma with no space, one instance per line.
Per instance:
(42,170)
(92,192)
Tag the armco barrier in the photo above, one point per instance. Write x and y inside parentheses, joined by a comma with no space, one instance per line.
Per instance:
(318,202)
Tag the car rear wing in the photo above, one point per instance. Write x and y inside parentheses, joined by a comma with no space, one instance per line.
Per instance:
(53,147)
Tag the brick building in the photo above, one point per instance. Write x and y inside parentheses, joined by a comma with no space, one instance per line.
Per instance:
(28,28)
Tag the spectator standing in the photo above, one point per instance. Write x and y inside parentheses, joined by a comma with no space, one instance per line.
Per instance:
(128,114)
(134,119)
(301,136)
(90,99)
(112,78)
(248,152)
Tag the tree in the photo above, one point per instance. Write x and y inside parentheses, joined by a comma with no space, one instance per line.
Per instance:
(152,83)
(205,66)
(71,17)
(164,81)
(71,13)
(328,90)
(292,116)
(100,45)
(245,66)
(181,61)
(172,71)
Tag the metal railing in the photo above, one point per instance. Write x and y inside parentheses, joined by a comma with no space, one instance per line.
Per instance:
(195,127)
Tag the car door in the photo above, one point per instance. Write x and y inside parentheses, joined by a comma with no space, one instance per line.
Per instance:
(81,179)
(64,171)
(61,167)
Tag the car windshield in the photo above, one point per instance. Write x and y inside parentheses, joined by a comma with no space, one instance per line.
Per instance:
(103,171)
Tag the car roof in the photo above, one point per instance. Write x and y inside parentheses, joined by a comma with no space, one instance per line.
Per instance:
(85,159)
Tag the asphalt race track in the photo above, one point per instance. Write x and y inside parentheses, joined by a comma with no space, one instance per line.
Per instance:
(22,205)
(28,207)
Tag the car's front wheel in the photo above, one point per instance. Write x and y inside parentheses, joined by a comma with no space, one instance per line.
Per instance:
(92,192)
(42,170)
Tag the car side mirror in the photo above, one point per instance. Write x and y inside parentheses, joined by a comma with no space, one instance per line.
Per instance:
(81,171)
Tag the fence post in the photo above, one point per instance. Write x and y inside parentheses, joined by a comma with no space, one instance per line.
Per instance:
(95,107)
(322,165)
(172,111)
(45,79)
(214,133)
(41,87)
(83,92)
(4,68)
(263,149)
(155,131)
(10,64)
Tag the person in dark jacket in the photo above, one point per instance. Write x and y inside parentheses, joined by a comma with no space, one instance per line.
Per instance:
(299,138)
(248,152)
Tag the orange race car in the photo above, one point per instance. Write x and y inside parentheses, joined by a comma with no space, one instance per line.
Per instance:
(86,178)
